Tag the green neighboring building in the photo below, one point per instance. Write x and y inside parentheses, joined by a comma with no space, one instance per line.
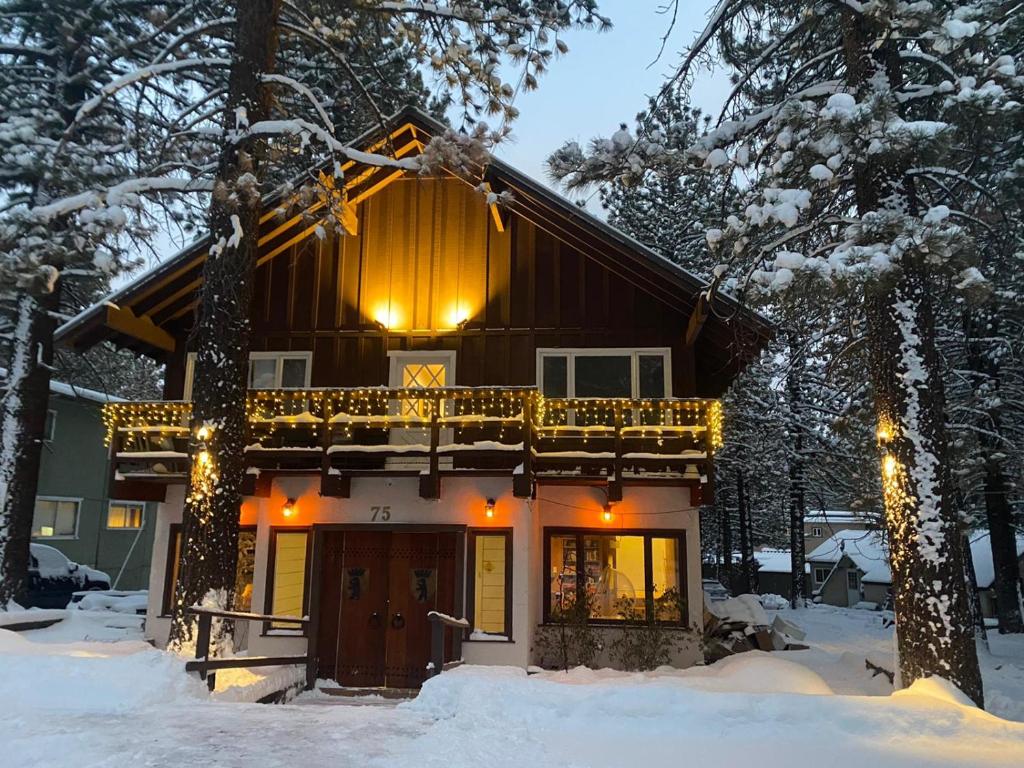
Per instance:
(73,513)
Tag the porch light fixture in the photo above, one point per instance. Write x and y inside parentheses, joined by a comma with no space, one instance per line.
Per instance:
(288,510)
(489,508)
(607,515)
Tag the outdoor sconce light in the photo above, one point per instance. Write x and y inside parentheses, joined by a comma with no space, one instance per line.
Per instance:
(288,510)
(489,508)
(607,515)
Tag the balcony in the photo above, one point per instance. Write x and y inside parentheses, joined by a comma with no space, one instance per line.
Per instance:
(432,433)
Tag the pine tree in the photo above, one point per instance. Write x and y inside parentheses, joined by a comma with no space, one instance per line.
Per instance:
(851,121)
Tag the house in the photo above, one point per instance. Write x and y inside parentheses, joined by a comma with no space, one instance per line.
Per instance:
(853,566)
(822,525)
(774,572)
(73,511)
(840,564)
(457,406)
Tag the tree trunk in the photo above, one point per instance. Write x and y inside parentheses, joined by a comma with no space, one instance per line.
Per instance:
(934,634)
(746,584)
(209,550)
(797,484)
(22,422)
(1002,537)
(725,574)
(981,329)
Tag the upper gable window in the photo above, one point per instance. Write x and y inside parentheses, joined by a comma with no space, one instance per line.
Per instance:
(628,373)
(267,370)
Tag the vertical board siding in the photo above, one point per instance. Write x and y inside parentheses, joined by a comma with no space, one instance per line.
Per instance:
(430,248)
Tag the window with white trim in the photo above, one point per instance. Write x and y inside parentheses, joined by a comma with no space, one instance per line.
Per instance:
(267,370)
(820,575)
(816,532)
(125,515)
(55,518)
(621,372)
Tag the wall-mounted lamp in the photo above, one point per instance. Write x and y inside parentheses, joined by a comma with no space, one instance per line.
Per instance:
(607,515)
(288,510)
(489,508)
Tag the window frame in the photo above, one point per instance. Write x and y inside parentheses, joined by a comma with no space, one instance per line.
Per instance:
(78,517)
(126,503)
(175,530)
(471,535)
(50,425)
(816,532)
(279,355)
(814,574)
(267,628)
(648,535)
(634,353)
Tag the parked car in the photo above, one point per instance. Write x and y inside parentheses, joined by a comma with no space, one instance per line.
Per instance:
(52,578)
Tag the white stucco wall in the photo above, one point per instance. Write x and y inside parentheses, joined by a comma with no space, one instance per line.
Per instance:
(462,503)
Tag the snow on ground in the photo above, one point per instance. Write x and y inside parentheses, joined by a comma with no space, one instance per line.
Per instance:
(107,704)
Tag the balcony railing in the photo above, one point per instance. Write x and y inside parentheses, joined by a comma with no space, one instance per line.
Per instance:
(345,433)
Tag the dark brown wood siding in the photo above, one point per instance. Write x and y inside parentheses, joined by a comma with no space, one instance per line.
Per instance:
(428,253)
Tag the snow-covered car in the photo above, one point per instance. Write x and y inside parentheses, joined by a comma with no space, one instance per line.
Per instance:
(714,591)
(52,578)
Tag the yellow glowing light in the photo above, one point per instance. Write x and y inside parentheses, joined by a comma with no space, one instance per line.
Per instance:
(458,315)
(203,458)
(607,515)
(489,508)
(288,510)
(884,433)
(387,315)
(890,465)
(203,433)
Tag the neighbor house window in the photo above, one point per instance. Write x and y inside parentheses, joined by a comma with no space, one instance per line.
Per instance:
(50,426)
(125,515)
(820,575)
(626,575)
(243,573)
(490,588)
(816,532)
(631,373)
(287,591)
(267,370)
(851,580)
(55,518)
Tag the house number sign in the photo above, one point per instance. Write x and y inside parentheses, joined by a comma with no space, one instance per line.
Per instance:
(380,513)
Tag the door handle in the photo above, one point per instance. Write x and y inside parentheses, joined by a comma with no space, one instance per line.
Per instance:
(398,621)
(375,619)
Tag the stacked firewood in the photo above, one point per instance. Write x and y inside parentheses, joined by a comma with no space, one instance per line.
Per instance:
(741,624)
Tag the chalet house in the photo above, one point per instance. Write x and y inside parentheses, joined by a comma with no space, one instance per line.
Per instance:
(822,525)
(476,409)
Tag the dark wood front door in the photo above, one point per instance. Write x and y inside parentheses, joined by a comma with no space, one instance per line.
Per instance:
(376,590)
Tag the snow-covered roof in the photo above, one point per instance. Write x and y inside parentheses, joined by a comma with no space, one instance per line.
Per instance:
(75,392)
(865,548)
(834,517)
(775,561)
(981,553)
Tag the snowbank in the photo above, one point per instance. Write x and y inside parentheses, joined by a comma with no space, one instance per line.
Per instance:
(89,677)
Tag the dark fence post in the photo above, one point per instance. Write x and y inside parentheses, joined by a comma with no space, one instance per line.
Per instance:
(203,650)
(436,645)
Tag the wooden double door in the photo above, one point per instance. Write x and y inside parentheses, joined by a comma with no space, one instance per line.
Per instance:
(376,589)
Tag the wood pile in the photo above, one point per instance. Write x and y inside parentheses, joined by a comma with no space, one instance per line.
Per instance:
(740,624)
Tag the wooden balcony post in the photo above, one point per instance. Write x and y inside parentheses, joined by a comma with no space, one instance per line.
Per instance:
(707,491)
(615,481)
(522,484)
(430,483)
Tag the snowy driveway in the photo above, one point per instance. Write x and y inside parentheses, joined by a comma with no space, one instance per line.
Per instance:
(90,704)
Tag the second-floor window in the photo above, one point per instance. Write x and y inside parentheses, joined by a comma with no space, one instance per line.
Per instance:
(55,518)
(816,532)
(631,373)
(267,370)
